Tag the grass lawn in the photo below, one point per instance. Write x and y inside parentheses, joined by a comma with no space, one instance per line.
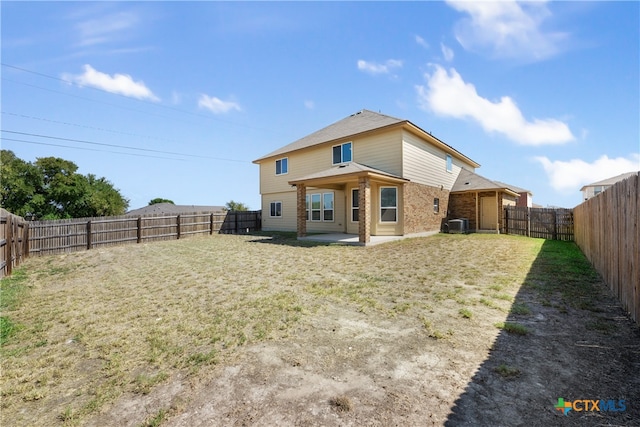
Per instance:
(81,330)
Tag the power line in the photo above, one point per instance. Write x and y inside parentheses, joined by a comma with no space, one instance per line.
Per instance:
(135,99)
(90,149)
(121,146)
(87,126)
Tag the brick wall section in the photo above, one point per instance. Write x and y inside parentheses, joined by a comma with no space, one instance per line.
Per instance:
(364,210)
(301,210)
(418,208)
(463,205)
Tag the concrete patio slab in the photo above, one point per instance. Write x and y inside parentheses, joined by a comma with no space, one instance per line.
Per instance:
(352,239)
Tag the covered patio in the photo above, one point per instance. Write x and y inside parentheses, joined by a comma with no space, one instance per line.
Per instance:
(339,177)
(353,239)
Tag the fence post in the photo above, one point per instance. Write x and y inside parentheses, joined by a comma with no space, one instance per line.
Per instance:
(9,237)
(88,234)
(555,225)
(26,240)
(235,219)
(211,224)
(506,220)
(528,220)
(139,230)
(178,225)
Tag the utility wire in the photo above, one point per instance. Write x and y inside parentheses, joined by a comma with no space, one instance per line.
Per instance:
(121,146)
(87,127)
(90,149)
(135,99)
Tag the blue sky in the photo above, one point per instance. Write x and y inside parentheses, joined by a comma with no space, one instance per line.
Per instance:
(175,99)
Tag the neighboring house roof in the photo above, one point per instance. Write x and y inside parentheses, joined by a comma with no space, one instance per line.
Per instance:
(351,168)
(471,181)
(610,181)
(170,208)
(361,122)
(514,188)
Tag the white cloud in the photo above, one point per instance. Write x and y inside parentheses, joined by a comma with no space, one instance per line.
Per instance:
(573,174)
(105,28)
(507,29)
(447,52)
(309,105)
(122,84)
(422,42)
(377,68)
(448,95)
(216,105)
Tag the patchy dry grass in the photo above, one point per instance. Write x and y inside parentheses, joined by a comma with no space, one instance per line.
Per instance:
(98,324)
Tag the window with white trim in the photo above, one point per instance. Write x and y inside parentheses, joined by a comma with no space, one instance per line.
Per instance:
(388,204)
(342,153)
(282,166)
(436,205)
(449,163)
(275,209)
(307,201)
(327,207)
(316,207)
(355,204)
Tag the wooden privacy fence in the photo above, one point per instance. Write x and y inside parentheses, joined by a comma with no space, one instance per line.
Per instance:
(555,224)
(71,235)
(14,241)
(608,233)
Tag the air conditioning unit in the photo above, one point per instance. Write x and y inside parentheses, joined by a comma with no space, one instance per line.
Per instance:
(459,225)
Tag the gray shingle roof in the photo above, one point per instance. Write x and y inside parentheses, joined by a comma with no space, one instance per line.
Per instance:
(471,181)
(610,181)
(171,209)
(347,169)
(357,123)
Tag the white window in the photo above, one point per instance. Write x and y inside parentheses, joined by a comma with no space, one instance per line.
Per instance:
(327,207)
(388,204)
(282,166)
(449,163)
(355,204)
(307,206)
(316,205)
(342,153)
(275,209)
(436,205)
(320,207)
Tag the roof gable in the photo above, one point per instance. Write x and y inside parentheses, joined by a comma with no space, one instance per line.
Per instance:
(360,122)
(471,181)
(610,181)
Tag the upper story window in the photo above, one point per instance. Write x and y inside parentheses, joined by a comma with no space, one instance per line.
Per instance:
(342,153)
(449,163)
(282,166)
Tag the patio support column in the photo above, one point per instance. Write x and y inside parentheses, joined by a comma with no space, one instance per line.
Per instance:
(301,209)
(364,214)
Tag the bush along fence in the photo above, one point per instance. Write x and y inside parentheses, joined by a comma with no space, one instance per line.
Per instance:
(554,224)
(608,233)
(14,241)
(78,234)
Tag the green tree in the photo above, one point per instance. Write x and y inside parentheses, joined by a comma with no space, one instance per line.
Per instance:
(235,206)
(160,200)
(51,188)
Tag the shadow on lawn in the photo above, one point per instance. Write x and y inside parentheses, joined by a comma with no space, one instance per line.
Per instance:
(287,239)
(565,337)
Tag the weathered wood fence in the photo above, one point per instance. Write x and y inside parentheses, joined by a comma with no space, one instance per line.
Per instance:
(21,238)
(555,224)
(14,241)
(608,233)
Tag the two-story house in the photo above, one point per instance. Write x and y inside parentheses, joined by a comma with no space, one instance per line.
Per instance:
(595,188)
(367,174)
